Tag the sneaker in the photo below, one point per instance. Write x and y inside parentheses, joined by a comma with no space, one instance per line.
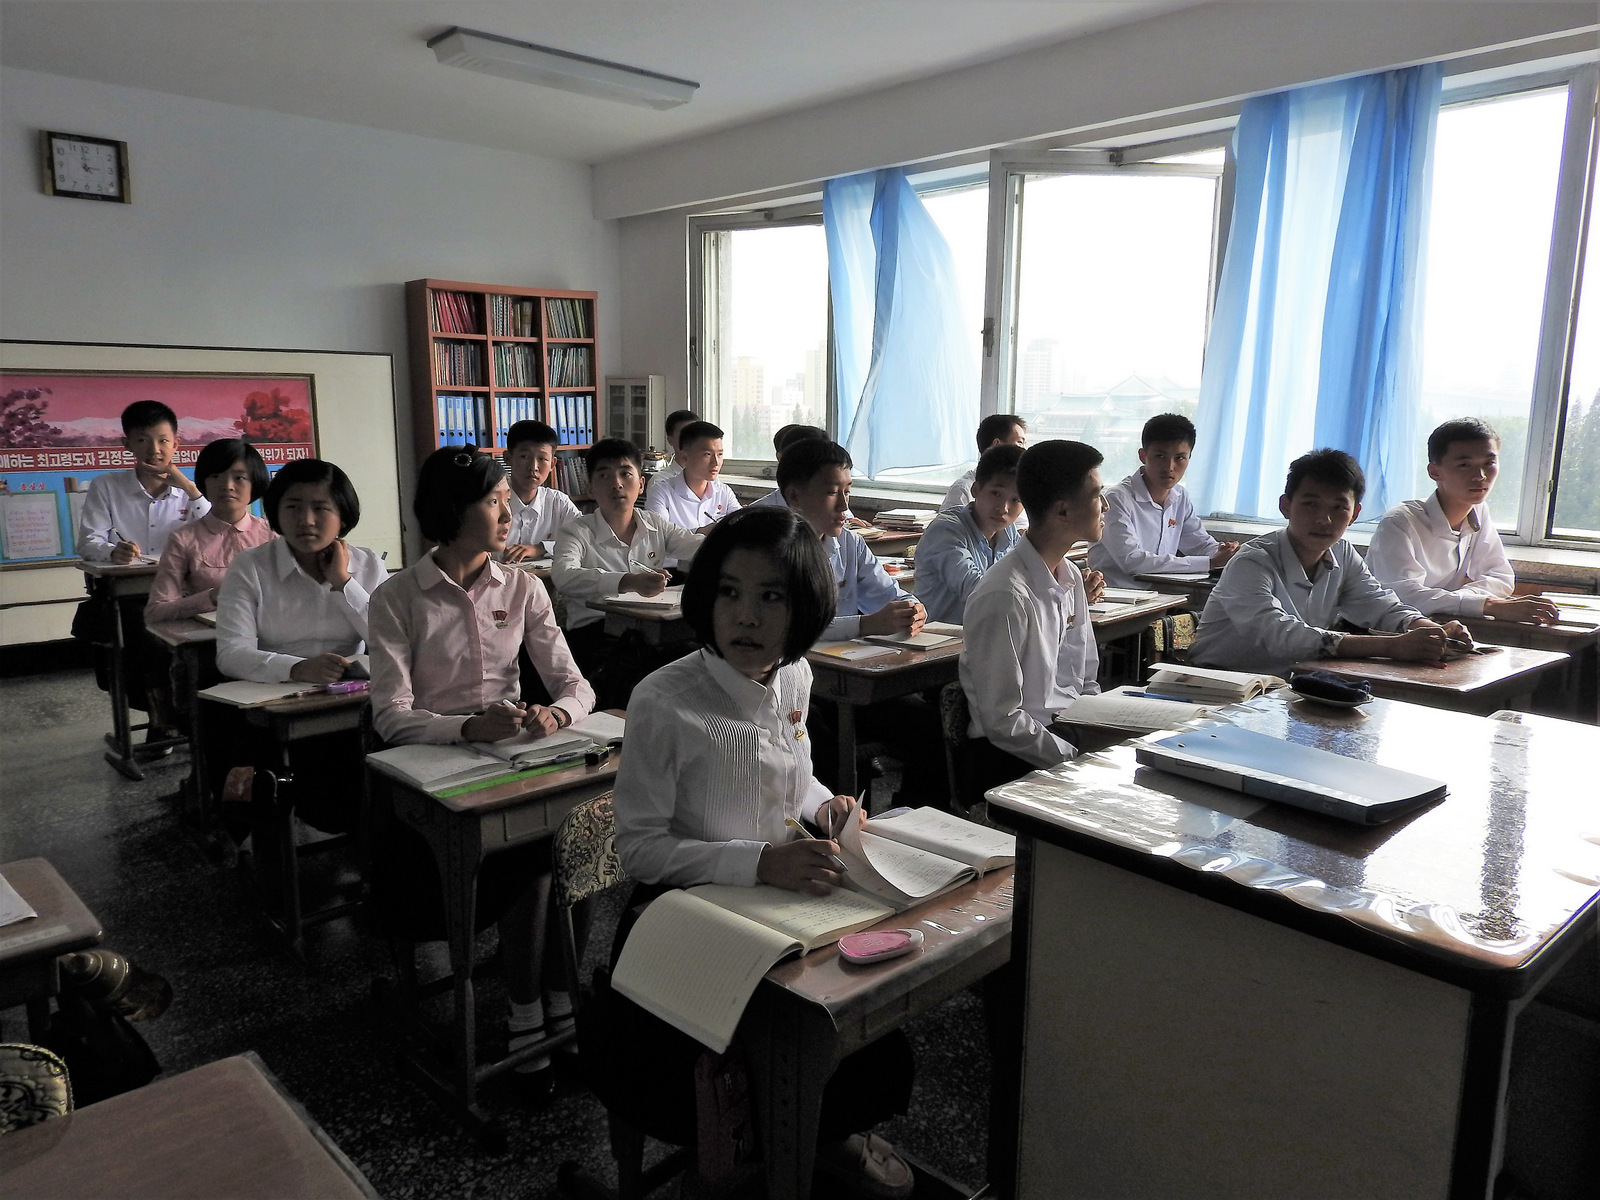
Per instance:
(868,1164)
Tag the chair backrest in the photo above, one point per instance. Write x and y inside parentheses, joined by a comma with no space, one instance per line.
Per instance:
(954,715)
(34,1086)
(585,852)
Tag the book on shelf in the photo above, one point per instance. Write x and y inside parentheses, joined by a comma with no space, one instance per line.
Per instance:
(695,957)
(457,364)
(437,769)
(570,366)
(572,473)
(513,316)
(1208,684)
(516,364)
(1128,709)
(568,318)
(453,312)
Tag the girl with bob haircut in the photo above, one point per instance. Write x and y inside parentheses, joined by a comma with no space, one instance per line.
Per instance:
(446,633)
(232,475)
(717,759)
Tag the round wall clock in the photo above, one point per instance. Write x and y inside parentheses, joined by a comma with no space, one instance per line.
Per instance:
(83,167)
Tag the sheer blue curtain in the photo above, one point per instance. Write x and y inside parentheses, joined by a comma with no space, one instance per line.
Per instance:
(905,369)
(1316,333)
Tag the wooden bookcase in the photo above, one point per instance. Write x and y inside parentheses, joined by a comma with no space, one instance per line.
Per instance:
(484,356)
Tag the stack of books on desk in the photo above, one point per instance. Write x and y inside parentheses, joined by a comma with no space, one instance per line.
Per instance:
(1209,685)
(695,957)
(1113,595)
(668,598)
(444,770)
(905,520)
(1576,609)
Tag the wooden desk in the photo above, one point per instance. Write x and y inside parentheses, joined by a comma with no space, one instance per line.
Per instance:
(809,1013)
(225,1129)
(29,949)
(1111,627)
(1227,998)
(852,685)
(655,626)
(1478,683)
(1197,590)
(462,831)
(193,646)
(115,584)
(1580,642)
(891,544)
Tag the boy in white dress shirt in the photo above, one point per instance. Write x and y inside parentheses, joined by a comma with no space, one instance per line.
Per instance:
(537,511)
(1279,599)
(1030,649)
(675,422)
(1151,528)
(997,429)
(695,498)
(1443,555)
(130,513)
(617,548)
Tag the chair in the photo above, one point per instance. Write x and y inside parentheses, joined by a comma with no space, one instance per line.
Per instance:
(586,864)
(34,1086)
(954,719)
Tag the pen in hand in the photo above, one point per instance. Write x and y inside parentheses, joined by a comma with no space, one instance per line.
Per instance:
(834,860)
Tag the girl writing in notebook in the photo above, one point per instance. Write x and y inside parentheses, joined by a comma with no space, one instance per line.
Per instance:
(717,758)
(445,635)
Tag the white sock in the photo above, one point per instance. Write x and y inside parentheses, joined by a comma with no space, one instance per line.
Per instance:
(526,1023)
(559,1006)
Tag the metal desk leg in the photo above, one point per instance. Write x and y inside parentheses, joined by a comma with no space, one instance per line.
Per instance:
(201,809)
(847,748)
(121,735)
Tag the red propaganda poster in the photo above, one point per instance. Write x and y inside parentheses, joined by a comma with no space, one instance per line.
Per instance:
(58,430)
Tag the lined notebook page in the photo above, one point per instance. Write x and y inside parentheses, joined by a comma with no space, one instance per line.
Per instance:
(811,920)
(967,842)
(695,965)
(913,872)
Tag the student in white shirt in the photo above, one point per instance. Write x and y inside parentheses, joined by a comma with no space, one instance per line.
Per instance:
(717,758)
(675,422)
(1151,527)
(537,511)
(617,548)
(1443,555)
(791,435)
(130,513)
(1280,597)
(961,544)
(1030,648)
(295,609)
(446,633)
(814,477)
(997,429)
(695,498)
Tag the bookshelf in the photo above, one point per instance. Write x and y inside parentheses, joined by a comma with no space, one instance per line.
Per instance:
(484,356)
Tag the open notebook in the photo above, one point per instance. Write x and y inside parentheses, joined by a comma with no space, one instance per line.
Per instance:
(695,957)
(438,769)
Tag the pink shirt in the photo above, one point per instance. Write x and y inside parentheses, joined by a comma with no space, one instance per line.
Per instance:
(441,654)
(196,558)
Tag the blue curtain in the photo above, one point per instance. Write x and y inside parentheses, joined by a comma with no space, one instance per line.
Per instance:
(905,371)
(1316,332)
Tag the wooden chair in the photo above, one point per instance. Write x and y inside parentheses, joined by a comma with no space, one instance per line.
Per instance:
(34,1086)
(586,864)
(954,718)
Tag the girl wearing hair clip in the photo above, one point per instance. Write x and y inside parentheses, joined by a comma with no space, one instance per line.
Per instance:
(445,636)
(717,761)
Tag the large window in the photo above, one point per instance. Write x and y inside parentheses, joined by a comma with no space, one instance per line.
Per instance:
(1577,497)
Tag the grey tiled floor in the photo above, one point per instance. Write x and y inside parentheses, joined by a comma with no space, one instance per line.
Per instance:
(164,903)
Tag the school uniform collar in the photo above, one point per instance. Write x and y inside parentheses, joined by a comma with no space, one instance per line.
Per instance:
(1141,490)
(217,525)
(283,558)
(969,517)
(1041,580)
(1289,566)
(748,696)
(518,504)
(430,574)
(1433,511)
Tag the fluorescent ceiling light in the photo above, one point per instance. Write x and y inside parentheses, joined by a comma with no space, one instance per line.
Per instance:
(493,55)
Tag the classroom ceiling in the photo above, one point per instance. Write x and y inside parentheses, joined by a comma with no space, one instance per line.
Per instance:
(364,61)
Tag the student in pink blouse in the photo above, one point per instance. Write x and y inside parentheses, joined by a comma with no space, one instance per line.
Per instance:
(444,635)
(231,475)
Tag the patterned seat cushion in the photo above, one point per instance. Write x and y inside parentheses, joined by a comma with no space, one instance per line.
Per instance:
(33,1086)
(585,852)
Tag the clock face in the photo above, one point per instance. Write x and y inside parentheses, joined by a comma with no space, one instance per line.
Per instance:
(85,168)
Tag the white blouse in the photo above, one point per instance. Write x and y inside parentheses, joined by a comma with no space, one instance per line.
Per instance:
(272,615)
(713,764)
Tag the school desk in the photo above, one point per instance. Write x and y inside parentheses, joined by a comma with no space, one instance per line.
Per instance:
(809,1013)
(225,1129)
(193,646)
(654,626)
(890,543)
(1133,621)
(856,684)
(462,831)
(1580,642)
(1223,997)
(116,583)
(1475,683)
(29,948)
(1198,591)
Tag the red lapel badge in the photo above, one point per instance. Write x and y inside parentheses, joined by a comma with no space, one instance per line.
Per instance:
(795,718)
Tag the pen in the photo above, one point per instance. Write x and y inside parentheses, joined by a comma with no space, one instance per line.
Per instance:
(1156,696)
(1458,644)
(838,863)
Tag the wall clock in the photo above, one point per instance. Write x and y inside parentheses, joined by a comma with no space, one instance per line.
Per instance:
(83,167)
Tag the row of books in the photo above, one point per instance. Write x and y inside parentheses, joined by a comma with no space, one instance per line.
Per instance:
(516,364)
(513,316)
(571,474)
(568,318)
(458,364)
(573,419)
(463,419)
(454,312)
(571,366)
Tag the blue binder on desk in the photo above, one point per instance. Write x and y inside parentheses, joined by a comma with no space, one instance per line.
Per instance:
(1242,760)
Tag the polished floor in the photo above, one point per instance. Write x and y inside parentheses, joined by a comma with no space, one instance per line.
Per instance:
(168,906)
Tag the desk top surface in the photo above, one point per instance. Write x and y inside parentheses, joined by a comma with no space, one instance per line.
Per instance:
(1517,633)
(109,570)
(64,923)
(1485,878)
(183,633)
(223,1129)
(1144,608)
(1463,677)
(883,664)
(640,612)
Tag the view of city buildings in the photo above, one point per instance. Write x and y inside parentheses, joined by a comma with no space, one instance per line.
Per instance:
(761,406)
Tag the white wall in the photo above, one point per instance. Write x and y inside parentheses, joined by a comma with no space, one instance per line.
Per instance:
(254,229)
